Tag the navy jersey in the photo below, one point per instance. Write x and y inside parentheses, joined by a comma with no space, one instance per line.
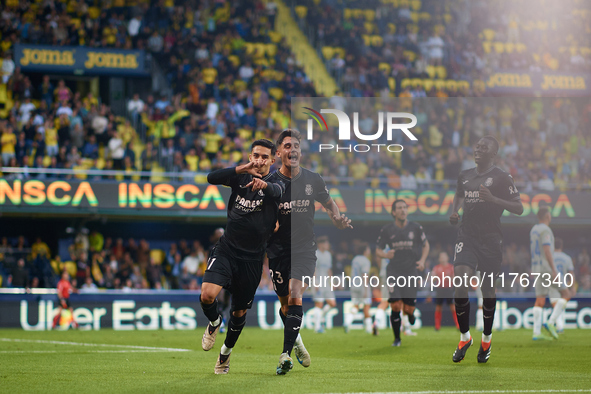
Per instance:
(482,218)
(408,244)
(296,213)
(251,215)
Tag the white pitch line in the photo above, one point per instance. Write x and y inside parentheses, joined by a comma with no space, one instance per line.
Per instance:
(483,391)
(163,349)
(74,351)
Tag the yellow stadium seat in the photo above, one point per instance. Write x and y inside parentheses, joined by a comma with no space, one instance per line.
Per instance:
(410,55)
(405,83)
(46,161)
(370,15)
(431,71)
(487,46)
(277,93)
(301,11)
(156,174)
(439,84)
(425,16)
(357,13)
(369,27)
(428,84)
(386,67)
(259,50)
(377,41)
(366,40)
(239,85)
(441,72)
(520,47)
(317,2)
(327,52)
(392,83)
(404,3)
(414,16)
(391,28)
(347,13)
(261,61)
(416,5)
(271,49)
(249,48)
(340,51)
(509,47)
(499,47)
(447,18)
(235,60)
(157,256)
(100,163)
(274,36)
(71,268)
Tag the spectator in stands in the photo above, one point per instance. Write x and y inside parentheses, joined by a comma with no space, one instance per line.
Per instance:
(7,67)
(8,142)
(117,151)
(19,276)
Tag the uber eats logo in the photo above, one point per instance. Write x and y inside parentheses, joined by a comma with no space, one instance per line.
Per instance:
(391,121)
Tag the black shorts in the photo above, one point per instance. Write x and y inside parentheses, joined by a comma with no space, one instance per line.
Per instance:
(280,271)
(484,255)
(65,301)
(241,277)
(444,294)
(291,265)
(406,293)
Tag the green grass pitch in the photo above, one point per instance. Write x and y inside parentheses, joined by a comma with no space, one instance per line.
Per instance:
(354,362)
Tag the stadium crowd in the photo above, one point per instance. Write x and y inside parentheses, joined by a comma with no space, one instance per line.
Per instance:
(232,78)
(365,43)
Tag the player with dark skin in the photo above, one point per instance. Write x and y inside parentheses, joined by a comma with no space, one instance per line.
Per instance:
(476,249)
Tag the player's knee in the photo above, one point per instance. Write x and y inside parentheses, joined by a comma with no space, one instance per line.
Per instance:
(207,296)
(284,309)
(239,313)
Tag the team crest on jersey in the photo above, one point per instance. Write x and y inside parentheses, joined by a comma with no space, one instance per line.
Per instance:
(261,193)
(309,190)
(411,235)
(488,182)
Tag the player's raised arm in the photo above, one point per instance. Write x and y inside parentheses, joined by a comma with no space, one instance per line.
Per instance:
(223,176)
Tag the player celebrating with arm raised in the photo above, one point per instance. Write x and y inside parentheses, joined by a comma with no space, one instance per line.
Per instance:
(236,262)
(484,192)
(292,249)
(408,252)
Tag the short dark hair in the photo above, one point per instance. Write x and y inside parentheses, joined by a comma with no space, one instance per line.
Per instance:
(558,243)
(266,144)
(542,212)
(396,202)
(493,140)
(293,133)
